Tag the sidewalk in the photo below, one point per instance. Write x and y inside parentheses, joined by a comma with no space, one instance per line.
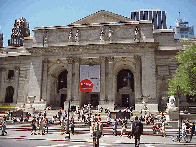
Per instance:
(84,136)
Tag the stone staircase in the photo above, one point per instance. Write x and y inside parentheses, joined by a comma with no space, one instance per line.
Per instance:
(81,127)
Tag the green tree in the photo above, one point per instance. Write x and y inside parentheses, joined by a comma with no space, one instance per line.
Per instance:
(186,72)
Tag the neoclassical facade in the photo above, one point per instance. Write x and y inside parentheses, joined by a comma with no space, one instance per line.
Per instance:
(129,57)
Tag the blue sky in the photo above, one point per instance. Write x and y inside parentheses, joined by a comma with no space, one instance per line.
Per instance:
(62,12)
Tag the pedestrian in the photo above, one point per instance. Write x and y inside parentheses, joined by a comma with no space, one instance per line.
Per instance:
(72,128)
(59,114)
(63,126)
(137,130)
(45,114)
(8,114)
(123,130)
(21,118)
(183,128)
(115,127)
(108,120)
(65,114)
(101,127)
(4,118)
(42,126)
(92,128)
(46,125)
(78,114)
(3,128)
(163,128)
(33,124)
(192,130)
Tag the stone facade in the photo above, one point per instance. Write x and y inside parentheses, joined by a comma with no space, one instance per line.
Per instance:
(148,59)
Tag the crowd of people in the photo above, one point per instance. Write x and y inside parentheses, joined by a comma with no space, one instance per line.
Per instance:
(84,114)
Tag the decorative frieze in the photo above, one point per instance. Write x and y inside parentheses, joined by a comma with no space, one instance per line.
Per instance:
(16,58)
(99,48)
(110,58)
(69,60)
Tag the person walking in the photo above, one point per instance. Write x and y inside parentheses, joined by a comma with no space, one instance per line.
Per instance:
(92,129)
(45,114)
(115,127)
(192,130)
(163,128)
(3,128)
(8,114)
(137,130)
(101,127)
(33,124)
(123,130)
(72,128)
(46,125)
(59,114)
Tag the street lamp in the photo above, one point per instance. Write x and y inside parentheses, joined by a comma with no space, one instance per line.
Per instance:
(178,89)
(67,131)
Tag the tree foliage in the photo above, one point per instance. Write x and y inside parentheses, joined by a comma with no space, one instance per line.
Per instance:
(186,72)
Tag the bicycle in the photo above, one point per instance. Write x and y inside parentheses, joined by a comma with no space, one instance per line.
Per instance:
(186,138)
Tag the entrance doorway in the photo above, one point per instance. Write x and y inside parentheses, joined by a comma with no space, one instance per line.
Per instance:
(94,100)
(125,100)
(9,94)
(63,99)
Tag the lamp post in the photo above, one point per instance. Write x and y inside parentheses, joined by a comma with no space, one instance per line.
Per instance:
(67,131)
(178,89)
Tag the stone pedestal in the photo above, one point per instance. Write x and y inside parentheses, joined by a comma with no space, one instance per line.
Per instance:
(153,108)
(173,115)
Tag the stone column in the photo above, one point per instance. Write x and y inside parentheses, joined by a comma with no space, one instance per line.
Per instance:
(77,78)
(137,77)
(69,82)
(17,69)
(148,74)
(35,78)
(48,88)
(3,75)
(102,94)
(111,92)
(44,79)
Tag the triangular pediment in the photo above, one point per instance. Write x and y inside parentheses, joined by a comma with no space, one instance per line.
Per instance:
(102,16)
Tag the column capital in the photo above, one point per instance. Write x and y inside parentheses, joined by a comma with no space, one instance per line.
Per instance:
(70,60)
(137,57)
(77,59)
(3,69)
(110,58)
(102,59)
(17,68)
(45,61)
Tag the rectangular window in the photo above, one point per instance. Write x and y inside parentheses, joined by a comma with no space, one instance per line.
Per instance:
(10,74)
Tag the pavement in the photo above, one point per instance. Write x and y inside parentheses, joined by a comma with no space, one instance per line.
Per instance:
(82,136)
